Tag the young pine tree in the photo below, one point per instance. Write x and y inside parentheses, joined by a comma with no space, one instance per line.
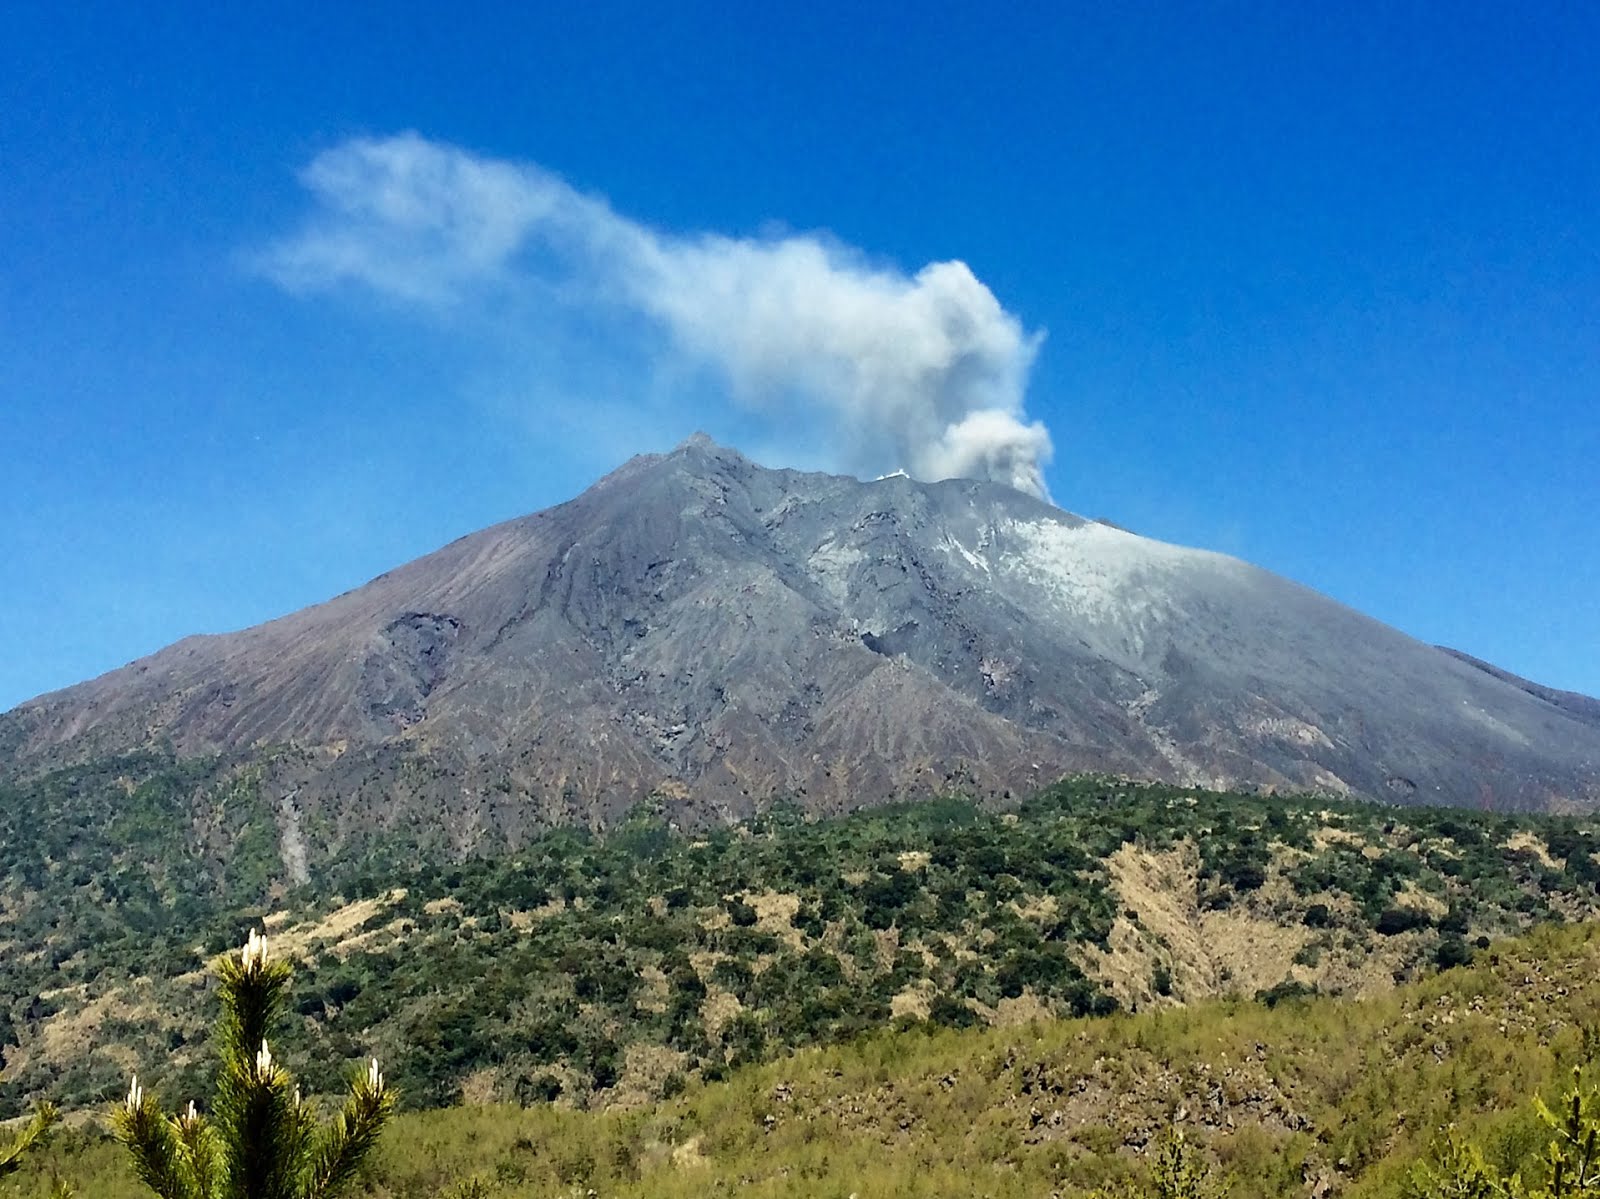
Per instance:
(1569,1168)
(260,1141)
(18,1144)
(1176,1172)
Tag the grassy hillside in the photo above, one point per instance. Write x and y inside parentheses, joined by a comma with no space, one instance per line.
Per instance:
(1311,1096)
(614,971)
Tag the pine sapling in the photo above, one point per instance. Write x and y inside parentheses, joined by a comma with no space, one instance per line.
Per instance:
(1571,1156)
(261,1140)
(32,1133)
(1176,1172)
(1569,1167)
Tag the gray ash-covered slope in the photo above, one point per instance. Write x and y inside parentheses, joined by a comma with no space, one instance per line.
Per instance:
(702,629)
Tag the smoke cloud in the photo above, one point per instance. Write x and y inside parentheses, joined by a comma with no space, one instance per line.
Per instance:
(924,372)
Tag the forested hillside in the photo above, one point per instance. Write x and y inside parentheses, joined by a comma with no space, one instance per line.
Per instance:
(600,971)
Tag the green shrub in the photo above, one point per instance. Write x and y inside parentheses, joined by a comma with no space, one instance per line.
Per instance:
(950,1012)
(1393,921)
(1161,979)
(1452,952)
(741,913)
(1288,989)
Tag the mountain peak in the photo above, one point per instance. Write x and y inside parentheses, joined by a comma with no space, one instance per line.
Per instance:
(698,440)
(700,453)
(703,445)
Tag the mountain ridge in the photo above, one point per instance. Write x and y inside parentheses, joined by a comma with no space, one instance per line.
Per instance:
(716,635)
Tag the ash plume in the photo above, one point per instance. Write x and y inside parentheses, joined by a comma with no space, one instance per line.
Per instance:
(925,372)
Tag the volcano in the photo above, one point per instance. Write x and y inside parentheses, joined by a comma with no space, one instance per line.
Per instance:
(712,636)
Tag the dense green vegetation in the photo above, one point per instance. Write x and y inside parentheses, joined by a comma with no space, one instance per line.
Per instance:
(121,864)
(603,970)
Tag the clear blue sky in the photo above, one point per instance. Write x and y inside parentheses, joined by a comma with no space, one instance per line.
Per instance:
(1319,285)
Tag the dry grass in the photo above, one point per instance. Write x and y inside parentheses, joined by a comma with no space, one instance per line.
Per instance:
(644,1069)
(1248,947)
(335,932)
(775,913)
(1530,842)
(718,1008)
(914,1001)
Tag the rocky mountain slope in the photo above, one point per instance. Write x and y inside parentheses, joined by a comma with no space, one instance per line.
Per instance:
(715,634)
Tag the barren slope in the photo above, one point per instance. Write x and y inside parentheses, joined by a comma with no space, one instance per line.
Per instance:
(719,634)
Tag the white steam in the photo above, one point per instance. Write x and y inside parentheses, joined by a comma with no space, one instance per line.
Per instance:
(926,372)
